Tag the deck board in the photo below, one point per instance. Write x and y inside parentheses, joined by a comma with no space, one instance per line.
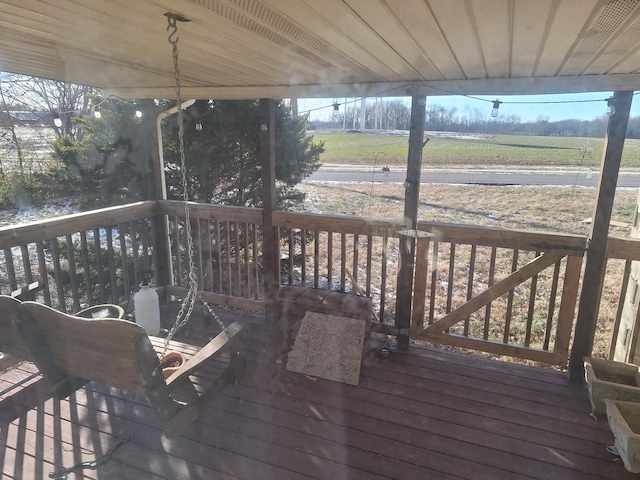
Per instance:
(430,414)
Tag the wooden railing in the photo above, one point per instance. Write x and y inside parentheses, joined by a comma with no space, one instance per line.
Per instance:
(80,259)
(504,292)
(342,254)
(501,291)
(227,252)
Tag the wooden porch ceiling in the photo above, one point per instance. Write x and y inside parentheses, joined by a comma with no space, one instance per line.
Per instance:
(296,48)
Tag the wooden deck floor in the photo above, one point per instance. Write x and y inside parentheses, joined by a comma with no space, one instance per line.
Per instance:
(431,414)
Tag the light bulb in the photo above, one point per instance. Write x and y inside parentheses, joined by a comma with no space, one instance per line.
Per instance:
(97,114)
(138,114)
(611,107)
(336,107)
(496,106)
(199,126)
(57,121)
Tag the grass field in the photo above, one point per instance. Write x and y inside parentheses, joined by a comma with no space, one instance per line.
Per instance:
(469,149)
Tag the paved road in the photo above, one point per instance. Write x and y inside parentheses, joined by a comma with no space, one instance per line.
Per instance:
(568,177)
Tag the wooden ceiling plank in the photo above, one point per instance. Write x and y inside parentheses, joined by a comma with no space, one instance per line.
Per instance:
(530,22)
(353,27)
(303,15)
(427,36)
(493,19)
(381,19)
(305,39)
(460,35)
(625,42)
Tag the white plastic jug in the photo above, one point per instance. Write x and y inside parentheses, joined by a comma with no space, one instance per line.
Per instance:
(147,309)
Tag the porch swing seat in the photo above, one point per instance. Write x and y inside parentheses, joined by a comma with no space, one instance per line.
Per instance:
(70,351)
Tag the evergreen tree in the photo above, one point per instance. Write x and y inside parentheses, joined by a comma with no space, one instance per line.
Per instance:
(103,160)
(223,157)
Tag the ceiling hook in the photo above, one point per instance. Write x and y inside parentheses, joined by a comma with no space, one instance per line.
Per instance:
(172,19)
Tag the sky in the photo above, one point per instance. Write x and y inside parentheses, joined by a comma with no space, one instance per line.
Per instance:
(583,106)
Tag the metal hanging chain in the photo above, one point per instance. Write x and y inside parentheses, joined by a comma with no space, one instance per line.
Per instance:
(188,303)
(186,308)
(91,464)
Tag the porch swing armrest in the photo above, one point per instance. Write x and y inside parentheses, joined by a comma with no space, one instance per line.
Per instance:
(222,342)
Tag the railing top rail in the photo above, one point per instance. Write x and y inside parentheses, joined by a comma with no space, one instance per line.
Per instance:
(506,238)
(208,211)
(336,223)
(16,235)
(624,248)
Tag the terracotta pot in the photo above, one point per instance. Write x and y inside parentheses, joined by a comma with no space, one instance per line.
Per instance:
(609,379)
(173,360)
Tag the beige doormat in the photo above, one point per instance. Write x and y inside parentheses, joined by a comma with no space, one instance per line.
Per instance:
(330,347)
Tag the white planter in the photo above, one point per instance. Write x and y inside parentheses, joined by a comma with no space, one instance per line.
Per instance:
(607,379)
(624,420)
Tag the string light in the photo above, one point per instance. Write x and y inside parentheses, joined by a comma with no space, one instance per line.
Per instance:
(138,114)
(57,121)
(96,113)
(198,126)
(611,107)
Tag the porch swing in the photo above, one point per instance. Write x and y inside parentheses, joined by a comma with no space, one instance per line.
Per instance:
(70,351)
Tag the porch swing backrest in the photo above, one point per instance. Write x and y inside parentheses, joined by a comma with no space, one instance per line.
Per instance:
(69,351)
(114,352)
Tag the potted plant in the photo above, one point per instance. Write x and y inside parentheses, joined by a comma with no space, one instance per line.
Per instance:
(610,379)
(170,362)
(624,421)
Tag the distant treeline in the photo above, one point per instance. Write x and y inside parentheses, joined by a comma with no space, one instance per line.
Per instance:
(395,115)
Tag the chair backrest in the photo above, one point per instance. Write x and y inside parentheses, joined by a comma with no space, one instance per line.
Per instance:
(11,341)
(110,351)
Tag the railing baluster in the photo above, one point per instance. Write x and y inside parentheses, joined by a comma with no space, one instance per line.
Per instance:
(218,235)
(354,268)
(292,254)
(133,238)
(26,263)
(530,312)
(451,279)
(472,264)
(507,318)
(303,254)
(552,305)
(11,270)
(316,259)
(367,290)
(343,262)
(71,258)
(112,266)
(492,272)
(329,260)
(247,260)
(55,250)
(99,266)
(44,274)
(434,280)
(122,238)
(383,280)
(238,258)
(86,267)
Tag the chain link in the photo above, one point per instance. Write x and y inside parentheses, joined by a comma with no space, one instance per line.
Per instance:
(186,308)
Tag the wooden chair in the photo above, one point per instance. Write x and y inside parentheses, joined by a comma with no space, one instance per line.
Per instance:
(70,351)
